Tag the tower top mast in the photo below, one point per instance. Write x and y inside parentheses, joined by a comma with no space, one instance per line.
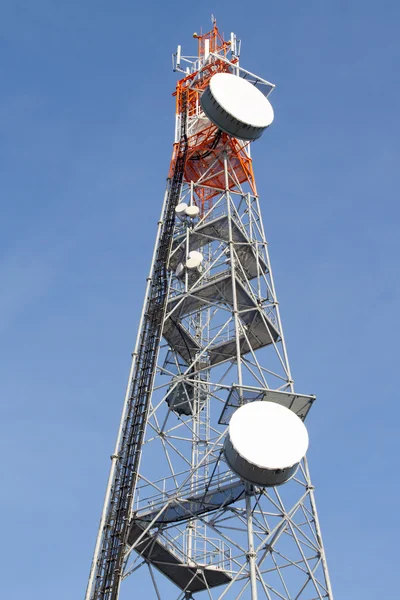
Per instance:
(210,43)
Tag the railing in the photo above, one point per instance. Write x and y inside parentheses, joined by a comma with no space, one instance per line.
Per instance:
(146,501)
(201,552)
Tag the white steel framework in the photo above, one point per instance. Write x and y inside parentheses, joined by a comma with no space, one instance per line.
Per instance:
(192,527)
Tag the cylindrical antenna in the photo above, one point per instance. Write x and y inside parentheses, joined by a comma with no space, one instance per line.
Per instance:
(206,49)
(233,43)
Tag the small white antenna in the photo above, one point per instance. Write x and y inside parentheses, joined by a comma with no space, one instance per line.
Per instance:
(178,57)
(233,44)
(206,49)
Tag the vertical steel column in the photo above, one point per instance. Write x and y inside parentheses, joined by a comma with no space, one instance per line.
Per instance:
(251,553)
(278,315)
(233,273)
(318,529)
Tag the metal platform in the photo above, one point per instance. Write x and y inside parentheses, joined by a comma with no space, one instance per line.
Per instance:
(187,577)
(203,502)
(216,290)
(260,330)
(181,341)
(218,229)
(300,404)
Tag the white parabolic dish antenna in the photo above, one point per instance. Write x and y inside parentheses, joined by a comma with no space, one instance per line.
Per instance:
(236,106)
(192,211)
(265,443)
(180,209)
(194,260)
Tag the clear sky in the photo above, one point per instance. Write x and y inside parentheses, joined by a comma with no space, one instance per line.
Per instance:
(86,127)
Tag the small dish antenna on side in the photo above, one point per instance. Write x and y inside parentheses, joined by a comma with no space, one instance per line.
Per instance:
(180,210)
(192,211)
(180,271)
(194,260)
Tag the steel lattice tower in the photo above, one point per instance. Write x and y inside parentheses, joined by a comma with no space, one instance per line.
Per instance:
(176,518)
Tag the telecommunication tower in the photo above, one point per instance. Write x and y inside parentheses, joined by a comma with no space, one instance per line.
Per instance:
(209,493)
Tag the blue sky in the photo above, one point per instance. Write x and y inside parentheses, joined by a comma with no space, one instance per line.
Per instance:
(86,127)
